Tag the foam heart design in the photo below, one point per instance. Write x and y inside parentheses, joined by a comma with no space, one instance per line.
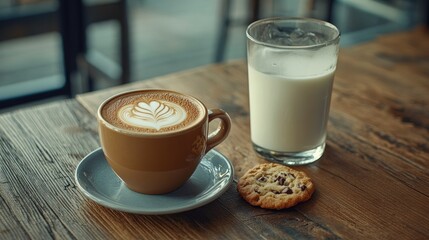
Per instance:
(155,114)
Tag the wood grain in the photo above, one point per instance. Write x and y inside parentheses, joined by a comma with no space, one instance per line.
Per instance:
(376,159)
(372,181)
(39,199)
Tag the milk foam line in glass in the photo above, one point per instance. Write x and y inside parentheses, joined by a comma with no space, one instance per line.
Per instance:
(291,67)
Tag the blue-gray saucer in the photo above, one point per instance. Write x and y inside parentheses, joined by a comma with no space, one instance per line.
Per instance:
(98,182)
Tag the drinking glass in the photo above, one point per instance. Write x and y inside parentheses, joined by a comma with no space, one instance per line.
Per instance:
(291,66)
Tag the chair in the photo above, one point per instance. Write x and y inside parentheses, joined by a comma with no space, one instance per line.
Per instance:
(226,22)
(70,18)
(93,65)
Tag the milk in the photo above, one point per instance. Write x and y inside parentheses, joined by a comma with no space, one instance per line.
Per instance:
(289,114)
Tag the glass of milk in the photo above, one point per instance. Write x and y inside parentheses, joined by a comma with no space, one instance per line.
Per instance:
(291,64)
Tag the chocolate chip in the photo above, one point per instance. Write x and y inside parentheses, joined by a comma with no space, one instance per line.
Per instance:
(262,179)
(280,180)
(287,191)
(290,175)
(303,187)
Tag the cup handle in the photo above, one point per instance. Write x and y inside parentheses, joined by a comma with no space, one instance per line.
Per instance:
(222,130)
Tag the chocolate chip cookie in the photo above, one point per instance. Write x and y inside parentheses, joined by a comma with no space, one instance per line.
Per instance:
(274,186)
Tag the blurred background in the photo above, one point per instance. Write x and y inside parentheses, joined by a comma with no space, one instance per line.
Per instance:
(55,49)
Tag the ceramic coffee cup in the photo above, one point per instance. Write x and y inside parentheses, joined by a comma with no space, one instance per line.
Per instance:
(154,139)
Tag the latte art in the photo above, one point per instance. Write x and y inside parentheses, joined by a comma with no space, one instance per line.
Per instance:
(155,114)
(152,111)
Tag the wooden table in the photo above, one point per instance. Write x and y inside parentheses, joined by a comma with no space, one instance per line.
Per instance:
(372,182)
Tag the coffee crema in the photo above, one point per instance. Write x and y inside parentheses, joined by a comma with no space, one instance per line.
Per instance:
(152,111)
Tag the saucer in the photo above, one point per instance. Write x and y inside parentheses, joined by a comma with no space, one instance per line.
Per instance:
(98,182)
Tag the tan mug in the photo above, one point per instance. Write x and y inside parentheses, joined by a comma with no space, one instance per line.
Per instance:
(154,139)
